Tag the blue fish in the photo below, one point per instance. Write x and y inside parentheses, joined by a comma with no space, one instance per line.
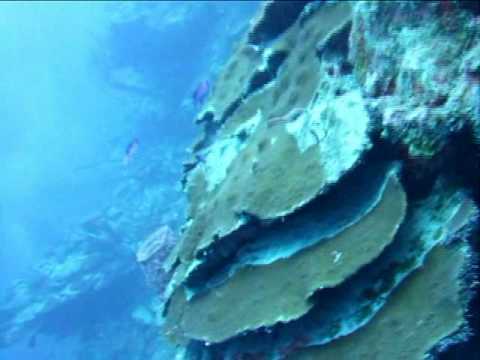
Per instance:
(201,93)
(130,151)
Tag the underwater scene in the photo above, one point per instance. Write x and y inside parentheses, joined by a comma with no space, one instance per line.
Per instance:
(240,180)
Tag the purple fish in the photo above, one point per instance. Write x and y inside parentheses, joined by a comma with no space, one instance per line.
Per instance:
(130,151)
(201,92)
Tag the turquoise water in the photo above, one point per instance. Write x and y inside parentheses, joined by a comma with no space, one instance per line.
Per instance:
(80,81)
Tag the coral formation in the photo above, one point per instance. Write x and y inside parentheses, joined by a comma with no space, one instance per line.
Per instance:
(325,213)
(434,311)
(152,255)
(325,264)
(328,213)
(415,69)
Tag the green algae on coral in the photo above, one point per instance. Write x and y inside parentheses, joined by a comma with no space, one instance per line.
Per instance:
(279,292)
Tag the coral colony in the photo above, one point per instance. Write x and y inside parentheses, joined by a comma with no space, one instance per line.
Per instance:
(326,218)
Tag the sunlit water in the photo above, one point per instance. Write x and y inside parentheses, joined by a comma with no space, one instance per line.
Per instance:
(78,82)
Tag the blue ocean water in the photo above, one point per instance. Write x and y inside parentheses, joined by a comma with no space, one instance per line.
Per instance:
(79,82)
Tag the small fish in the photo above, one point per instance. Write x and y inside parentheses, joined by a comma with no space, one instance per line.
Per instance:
(201,93)
(130,151)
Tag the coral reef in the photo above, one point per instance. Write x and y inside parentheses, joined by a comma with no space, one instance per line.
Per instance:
(326,263)
(417,70)
(327,211)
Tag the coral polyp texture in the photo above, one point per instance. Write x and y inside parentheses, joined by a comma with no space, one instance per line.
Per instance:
(326,217)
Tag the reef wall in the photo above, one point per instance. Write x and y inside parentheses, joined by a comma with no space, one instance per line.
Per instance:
(328,212)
